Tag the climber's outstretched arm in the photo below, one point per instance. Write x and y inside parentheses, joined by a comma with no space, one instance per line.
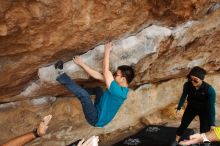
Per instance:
(88,69)
(106,71)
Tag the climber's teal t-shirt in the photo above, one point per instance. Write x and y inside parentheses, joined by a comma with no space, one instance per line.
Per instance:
(110,102)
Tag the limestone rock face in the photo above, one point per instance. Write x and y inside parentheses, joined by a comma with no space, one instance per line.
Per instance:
(37,33)
(163,40)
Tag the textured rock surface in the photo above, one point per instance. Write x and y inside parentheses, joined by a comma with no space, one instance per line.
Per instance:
(177,35)
(36,33)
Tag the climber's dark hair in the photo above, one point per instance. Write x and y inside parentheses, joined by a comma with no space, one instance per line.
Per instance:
(127,72)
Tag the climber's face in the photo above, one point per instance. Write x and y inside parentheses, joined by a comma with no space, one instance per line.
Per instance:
(118,77)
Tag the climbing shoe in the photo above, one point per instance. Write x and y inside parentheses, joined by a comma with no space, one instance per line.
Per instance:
(59,67)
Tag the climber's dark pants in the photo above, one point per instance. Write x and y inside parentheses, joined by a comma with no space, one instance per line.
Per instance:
(189,115)
(89,109)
